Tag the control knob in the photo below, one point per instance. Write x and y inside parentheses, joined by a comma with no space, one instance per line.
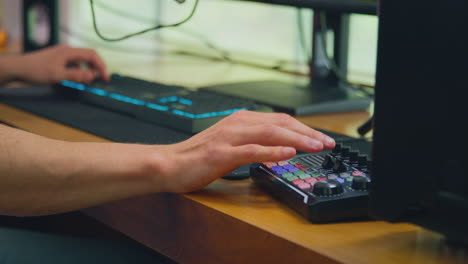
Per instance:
(362,160)
(345,151)
(337,148)
(360,183)
(354,156)
(339,166)
(327,188)
(328,162)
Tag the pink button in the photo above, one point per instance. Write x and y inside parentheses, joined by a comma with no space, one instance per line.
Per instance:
(269,164)
(304,186)
(282,163)
(298,181)
(357,173)
(321,178)
(311,180)
(299,165)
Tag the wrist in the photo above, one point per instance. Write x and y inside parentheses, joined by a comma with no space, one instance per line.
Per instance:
(160,168)
(10,68)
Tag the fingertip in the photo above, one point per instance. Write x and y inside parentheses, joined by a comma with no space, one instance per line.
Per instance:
(88,76)
(287,152)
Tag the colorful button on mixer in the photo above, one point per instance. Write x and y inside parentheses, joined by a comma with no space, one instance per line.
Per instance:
(299,173)
(281,171)
(269,164)
(282,163)
(311,181)
(275,168)
(293,178)
(341,180)
(288,166)
(299,165)
(315,174)
(293,169)
(304,186)
(345,175)
(298,181)
(287,174)
(357,173)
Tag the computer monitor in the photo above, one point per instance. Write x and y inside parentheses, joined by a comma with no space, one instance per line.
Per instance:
(420,142)
(342,6)
(328,90)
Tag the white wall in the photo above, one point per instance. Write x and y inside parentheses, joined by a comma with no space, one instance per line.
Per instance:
(254,31)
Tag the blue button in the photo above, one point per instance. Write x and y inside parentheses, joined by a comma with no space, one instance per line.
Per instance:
(341,180)
(275,168)
(289,166)
(293,169)
(281,171)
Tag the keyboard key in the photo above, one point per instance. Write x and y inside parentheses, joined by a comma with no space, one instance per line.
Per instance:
(311,181)
(304,186)
(298,181)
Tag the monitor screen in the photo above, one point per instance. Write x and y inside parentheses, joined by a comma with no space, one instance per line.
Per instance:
(346,6)
(420,133)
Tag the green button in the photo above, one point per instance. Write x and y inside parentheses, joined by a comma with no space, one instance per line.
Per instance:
(292,178)
(292,162)
(350,179)
(304,176)
(315,174)
(299,173)
(287,174)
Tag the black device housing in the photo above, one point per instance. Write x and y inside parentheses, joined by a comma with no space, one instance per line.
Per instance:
(51,8)
(420,132)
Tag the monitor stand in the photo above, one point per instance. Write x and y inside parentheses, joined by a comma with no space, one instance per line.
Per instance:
(320,96)
(326,93)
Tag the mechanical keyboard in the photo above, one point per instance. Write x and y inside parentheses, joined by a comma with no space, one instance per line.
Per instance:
(324,187)
(171,106)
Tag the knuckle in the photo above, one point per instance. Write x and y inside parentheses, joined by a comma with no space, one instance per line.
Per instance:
(250,151)
(268,130)
(284,119)
(214,154)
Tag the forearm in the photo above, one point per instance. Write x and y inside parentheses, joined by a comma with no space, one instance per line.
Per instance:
(44,176)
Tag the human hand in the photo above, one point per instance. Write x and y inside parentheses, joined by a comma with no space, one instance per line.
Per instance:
(241,138)
(57,63)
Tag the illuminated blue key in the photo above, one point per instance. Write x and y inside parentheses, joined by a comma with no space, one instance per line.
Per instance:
(157,107)
(341,180)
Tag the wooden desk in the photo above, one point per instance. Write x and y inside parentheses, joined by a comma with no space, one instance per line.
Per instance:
(235,222)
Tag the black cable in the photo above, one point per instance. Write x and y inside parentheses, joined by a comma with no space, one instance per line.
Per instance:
(332,64)
(224,54)
(366,127)
(91,3)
